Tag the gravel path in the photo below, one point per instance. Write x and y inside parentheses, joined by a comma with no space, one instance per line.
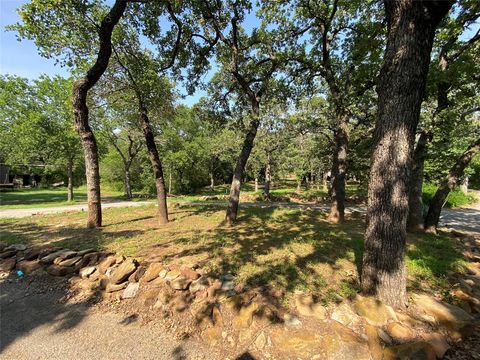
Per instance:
(34,324)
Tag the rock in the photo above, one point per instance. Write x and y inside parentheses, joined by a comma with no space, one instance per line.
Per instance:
(201,284)
(438,343)
(86,251)
(48,259)
(152,272)
(291,320)
(400,332)
(417,350)
(306,307)
(244,317)
(28,267)
(172,275)
(149,296)
(123,271)
(374,311)
(89,259)
(180,283)
(344,314)
(7,254)
(105,264)
(137,274)
(66,254)
(261,341)
(163,273)
(445,314)
(57,270)
(32,253)
(70,262)
(131,291)
(7,264)
(16,247)
(212,290)
(87,271)
(109,287)
(319,341)
(374,343)
(189,273)
(228,286)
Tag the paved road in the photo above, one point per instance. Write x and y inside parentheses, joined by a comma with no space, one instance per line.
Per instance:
(34,324)
(19,213)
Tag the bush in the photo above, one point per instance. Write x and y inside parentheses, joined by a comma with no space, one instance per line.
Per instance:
(455,198)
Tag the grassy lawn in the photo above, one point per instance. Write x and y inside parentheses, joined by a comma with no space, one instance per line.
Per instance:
(32,198)
(289,248)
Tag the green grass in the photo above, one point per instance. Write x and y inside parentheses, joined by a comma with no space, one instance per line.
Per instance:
(291,249)
(32,198)
(455,198)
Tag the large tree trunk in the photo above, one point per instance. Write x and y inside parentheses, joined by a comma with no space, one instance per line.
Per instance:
(456,172)
(232,209)
(415,203)
(268,178)
(80,109)
(401,86)
(70,181)
(339,169)
(156,165)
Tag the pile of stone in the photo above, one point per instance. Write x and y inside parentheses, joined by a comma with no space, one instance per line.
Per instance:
(232,316)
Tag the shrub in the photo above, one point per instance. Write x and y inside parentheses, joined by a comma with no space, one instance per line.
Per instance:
(454,199)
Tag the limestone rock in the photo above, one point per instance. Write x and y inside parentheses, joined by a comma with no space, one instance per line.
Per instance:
(438,343)
(87,271)
(320,341)
(16,247)
(291,320)
(400,332)
(374,311)
(172,275)
(70,262)
(152,272)
(245,316)
(189,273)
(163,273)
(66,254)
(416,350)
(123,271)
(131,291)
(306,307)
(180,283)
(137,274)
(7,264)
(445,314)
(7,254)
(28,266)
(57,270)
(344,314)
(105,264)
(228,285)
(200,284)
(86,251)
(115,287)
(48,259)
(32,253)
(89,259)
(212,290)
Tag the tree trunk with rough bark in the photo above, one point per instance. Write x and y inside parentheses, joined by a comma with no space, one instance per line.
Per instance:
(232,209)
(339,169)
(80,109)
(256,184)
(212,181)
(70,181)
(128,183)
(156,165)
(415,203)
(401,85)
(440,197)
(268,178)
